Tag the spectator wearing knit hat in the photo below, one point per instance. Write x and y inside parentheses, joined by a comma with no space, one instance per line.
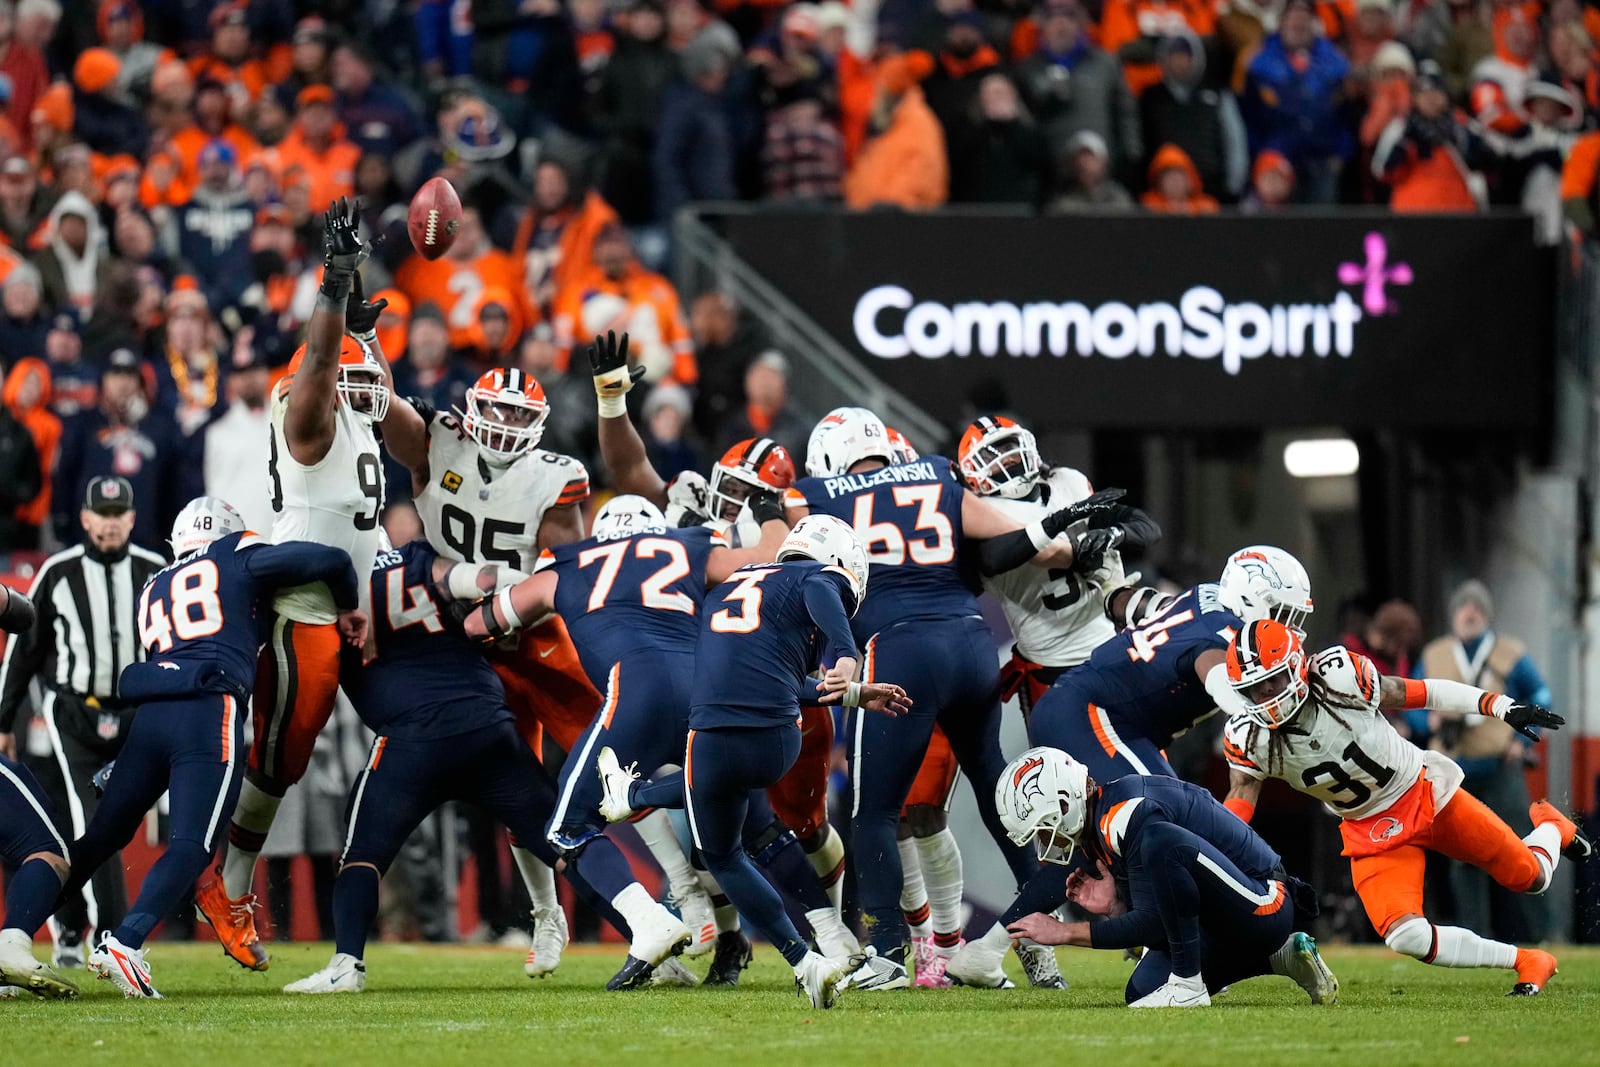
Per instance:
(379,118)
(1291,102)
(666,419)
(767,411)
(24,320)
(903,161)
(951,89)
(318,143)
(1084,171)
(1203,121)
(802,157)
(75,381)
(229,59)
(694,152)
(191,375)
(23,204)
(1426,156)
(26,69)
(1271,184)
(1070,85)
(213,120)
(100,119)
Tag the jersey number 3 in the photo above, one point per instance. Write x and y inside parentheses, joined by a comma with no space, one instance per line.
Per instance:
(196,609)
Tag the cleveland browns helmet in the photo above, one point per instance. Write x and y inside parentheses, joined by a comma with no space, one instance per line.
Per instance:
(361,379)
(1269,669)
(754,463)
(999,457)
(505,413)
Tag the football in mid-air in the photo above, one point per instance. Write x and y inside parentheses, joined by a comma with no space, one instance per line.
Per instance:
(434,218)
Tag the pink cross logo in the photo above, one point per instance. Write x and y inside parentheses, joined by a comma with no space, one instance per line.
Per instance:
(1374,275)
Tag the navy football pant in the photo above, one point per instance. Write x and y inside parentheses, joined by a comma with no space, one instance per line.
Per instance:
(404,781)
(190,749)
(950,672)
(27,828)
(644,718)
(1219,922)
(1112,747)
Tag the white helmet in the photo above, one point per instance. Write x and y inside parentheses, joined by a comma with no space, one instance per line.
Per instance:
(625,516)
(203,520)
(1263,582)
(1043,797)
(845,437)
(998,456)
(832,542)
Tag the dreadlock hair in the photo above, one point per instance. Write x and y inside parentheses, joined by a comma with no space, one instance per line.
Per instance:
(1323,698)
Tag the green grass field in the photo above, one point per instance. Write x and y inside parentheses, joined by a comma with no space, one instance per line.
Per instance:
(432,1005)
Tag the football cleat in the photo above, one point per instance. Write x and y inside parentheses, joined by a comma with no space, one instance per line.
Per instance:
(1575,844)
(673,973)
(1176,993)
(978,965)
(124,966)
(19,969)
(733,955)
(615,785)
(930,971)
(67,950)
(233,921)
(1299,959)
(1039,964)
(549,938)
(833,937)
(819,978)
(700,916)
(1535,968)
(10,992)
(876,973)
(663,935)
(343,974)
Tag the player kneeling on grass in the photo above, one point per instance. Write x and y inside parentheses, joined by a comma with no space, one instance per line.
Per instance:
(1206,895)
(763,632)
(1317,723)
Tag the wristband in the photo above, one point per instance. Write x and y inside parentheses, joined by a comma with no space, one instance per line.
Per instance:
(1037,536)
(370,338)
(613,407)
(852,695)
(334,293)
(513,620)
(1416,694)
(1240,807)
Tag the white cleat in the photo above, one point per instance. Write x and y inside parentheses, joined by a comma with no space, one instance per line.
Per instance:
(834,939)
(1299,959)
(549,939)
(21,970)
(700,916)
(343,974)
(1176,993)
(672,973)
(615,784)
(876,973)
(1039,964)
(662,935)
(124,966)
(977,964)
(820,979)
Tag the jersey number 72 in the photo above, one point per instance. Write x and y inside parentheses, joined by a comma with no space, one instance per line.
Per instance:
(653,592)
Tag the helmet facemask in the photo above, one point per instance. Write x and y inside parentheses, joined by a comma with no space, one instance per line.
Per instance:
(504,429)
(1274,697)
(729,489)
(1005,463)
(363,389)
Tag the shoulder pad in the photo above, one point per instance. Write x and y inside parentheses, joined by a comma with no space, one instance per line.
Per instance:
(249,539)
(1235,735)
(1347,674)
(1114,824)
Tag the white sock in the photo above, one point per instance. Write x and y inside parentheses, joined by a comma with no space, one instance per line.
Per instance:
(662,841)
(1193,981)
(1457,947)
(997,940)
(828,861)
(1545,844)
(254,813)
(913,892)
(834,939)
(540,880)
(941,871)
(636,905)
(727,915)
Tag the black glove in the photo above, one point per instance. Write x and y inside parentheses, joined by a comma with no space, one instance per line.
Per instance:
(361,317)
(765,505)
(1521,717)
(342,249)
(1057,521)
(1089,551)
(608,360)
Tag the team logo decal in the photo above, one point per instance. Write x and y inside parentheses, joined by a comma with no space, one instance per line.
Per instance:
(451,481)
(1386,829)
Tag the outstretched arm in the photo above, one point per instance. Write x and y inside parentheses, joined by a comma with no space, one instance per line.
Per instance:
(514,607)
(308,424)
(767,509)
(1439,694)
(300,562)
(620,445)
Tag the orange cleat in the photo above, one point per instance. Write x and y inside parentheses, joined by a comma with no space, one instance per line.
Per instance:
(234,922)
(1535,968)
(1574,844)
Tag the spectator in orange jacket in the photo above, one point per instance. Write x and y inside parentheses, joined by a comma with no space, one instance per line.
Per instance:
(1175,185)
(229,60)
(618,293)
(496,328)
(317,143)
(1424,156)
(553,235)
(27,394)
(1579,179)
(213,120)
(456,280)
(1131,29)
(903,161)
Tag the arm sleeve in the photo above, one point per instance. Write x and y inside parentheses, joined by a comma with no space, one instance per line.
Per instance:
(996,555)
(824,595)
(299,562)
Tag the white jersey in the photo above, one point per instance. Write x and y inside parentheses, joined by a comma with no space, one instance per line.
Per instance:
(475,512)
(1356,770)
(1056,617)
(336,502)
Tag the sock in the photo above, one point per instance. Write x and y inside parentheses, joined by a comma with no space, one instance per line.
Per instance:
(162,889)
(662,841)
(941,872)
(31,896)
(834,939)
(663,792)
(826,853)
(252,818)
(1456,947)
(913,892)
(636,905)
(1191,981)
(355,905)
(997,940)
(540,879)
(1545,844)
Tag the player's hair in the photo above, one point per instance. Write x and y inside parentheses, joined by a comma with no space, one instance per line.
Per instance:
(1323,699)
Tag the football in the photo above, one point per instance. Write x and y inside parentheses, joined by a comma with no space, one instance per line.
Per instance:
(434,218)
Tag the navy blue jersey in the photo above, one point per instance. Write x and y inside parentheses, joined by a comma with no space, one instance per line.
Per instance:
(640,593)
(1146,674)
(429,680)
(909,517)
(200,618)
(1127,805)
(762,632)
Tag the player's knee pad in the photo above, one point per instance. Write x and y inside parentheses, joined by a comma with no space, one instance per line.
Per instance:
(764,846)
(1414,938)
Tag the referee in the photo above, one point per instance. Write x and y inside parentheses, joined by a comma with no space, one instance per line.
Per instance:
(87,599)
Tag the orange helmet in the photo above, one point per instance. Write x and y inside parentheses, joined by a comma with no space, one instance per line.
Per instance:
(754,463)
(999,457)
(1269,669)
(361,381)
(505,413)
(904,450)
